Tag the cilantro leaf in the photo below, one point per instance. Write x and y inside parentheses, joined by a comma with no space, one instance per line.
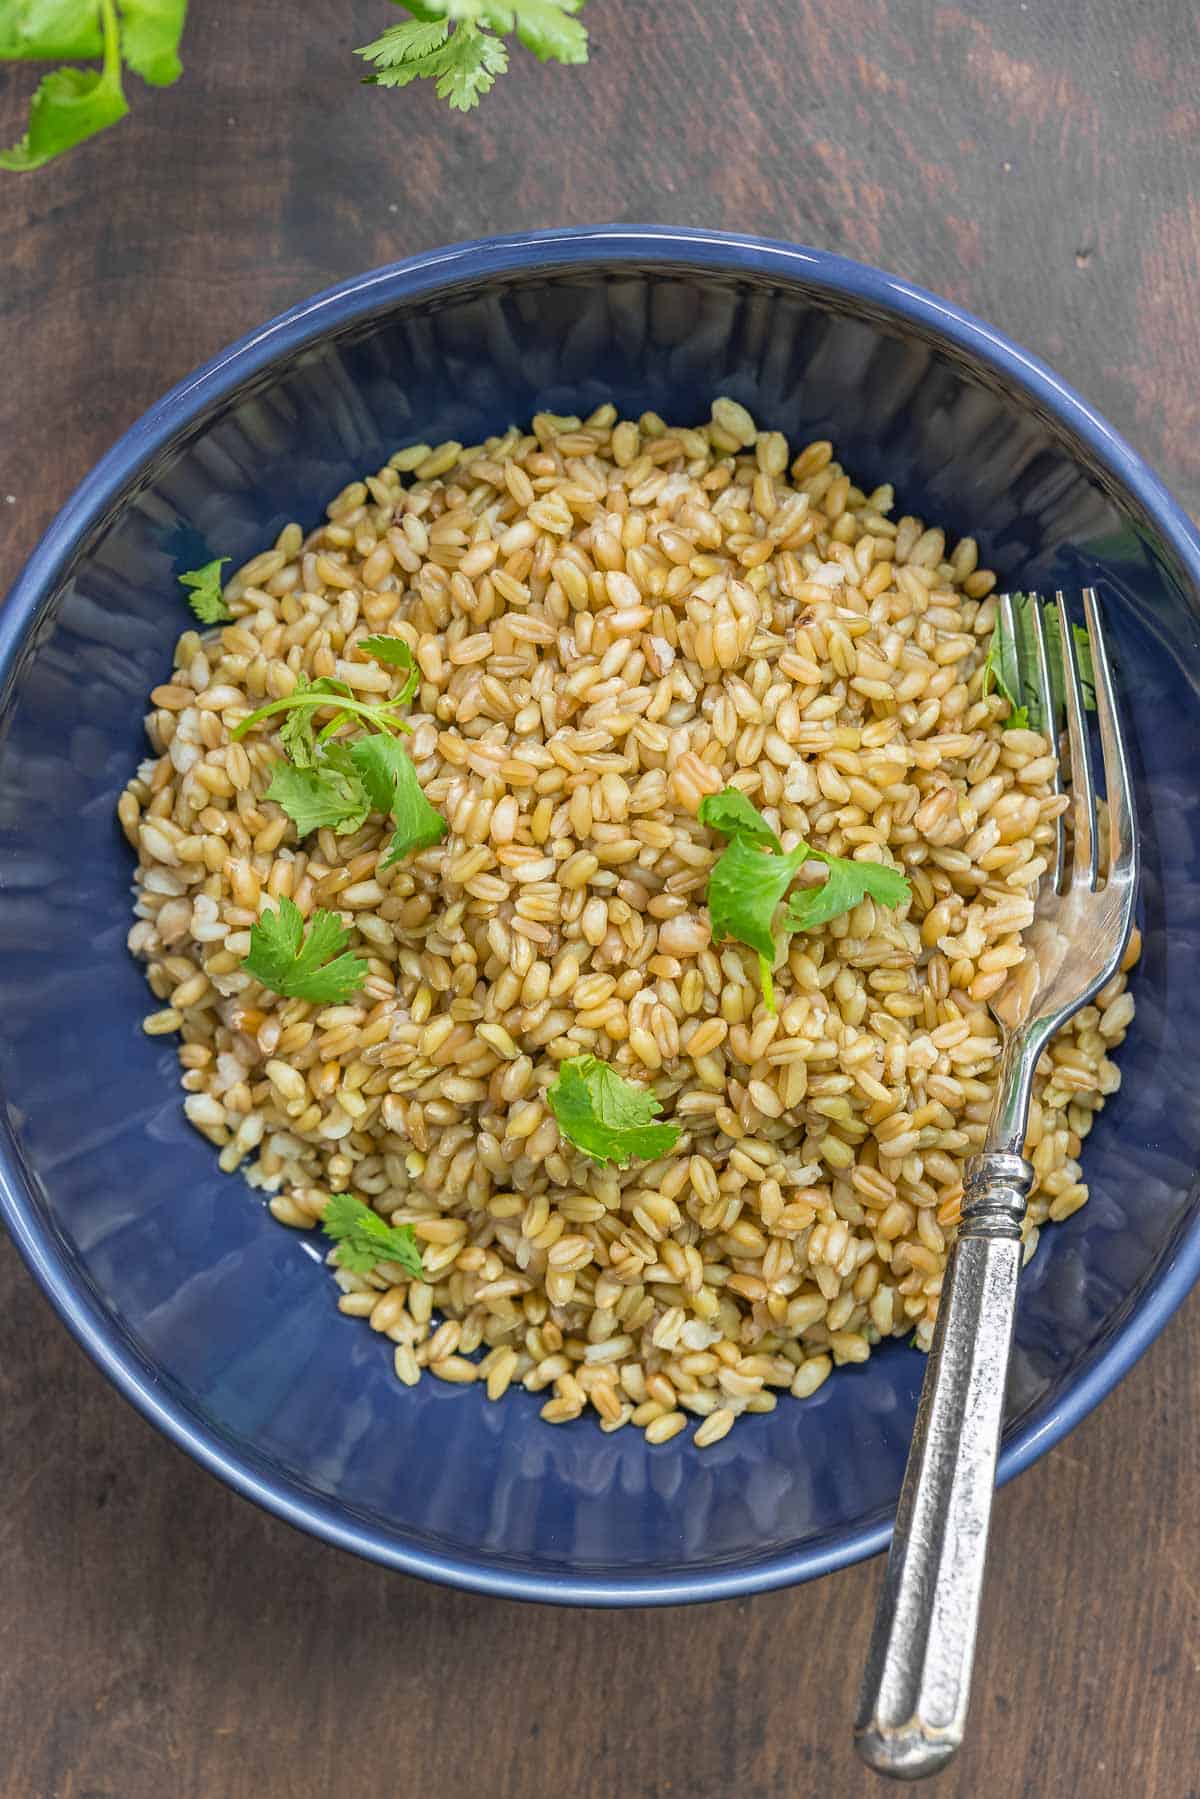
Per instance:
(845,886)
(544,26)
(320,794)
(301,966)
(71,105)
(609,1118)
(463,65)
(732,814)
(744,888)
(378,761)
(470,62)
(406,52)
(454,43)
(205,597)
(45,30)
(364,1238)
(1012,666)
(751,877)
(387,772)
(1083,656)
(150,34)
(296,732)
(1001,669)
(395,652)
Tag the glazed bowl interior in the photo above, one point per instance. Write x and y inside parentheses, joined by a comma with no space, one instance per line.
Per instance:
(220,1323)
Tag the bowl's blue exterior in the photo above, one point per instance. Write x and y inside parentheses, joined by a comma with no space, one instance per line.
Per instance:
(220,1325)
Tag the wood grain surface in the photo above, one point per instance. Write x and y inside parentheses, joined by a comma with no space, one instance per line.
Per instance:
(1037,162)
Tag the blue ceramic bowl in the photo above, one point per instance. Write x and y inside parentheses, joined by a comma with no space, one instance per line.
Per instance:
(221,1326)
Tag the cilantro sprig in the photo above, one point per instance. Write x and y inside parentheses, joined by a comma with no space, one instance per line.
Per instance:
(609,1118)
(1011,666)
(312,965)
(204,596)
(70,105)
(364,1239)
(316,696)
(327,783)
(459,44)
(751,877)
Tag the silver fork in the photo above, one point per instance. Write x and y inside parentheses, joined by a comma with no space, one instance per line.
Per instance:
(913,1704)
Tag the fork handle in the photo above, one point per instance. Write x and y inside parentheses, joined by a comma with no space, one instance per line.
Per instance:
(913,1704)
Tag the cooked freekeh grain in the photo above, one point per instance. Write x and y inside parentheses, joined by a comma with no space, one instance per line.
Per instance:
(612,620)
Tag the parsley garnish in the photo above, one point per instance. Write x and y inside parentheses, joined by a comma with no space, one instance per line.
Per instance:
(205,598)
(606,1116)
(1012,668)
(451,43)
(304,966)
(364,1238)
(750,878)
(71,105)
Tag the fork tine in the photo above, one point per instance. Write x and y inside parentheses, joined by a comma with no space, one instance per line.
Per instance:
(1082,786)
(1050,722)
(1118,786)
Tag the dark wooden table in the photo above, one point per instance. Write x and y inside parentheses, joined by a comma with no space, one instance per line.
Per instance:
(161,1639)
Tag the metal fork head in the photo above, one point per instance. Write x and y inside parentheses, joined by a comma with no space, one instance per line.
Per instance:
(1084,910)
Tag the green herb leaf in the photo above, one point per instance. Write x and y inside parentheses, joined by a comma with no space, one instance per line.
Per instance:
(71,105)
(606,1116)
(452,43)
(744,890)
(406,52)
(49,30)
(750,878)
(321,794)
(303,965)
(395,652)
(1012,667)
(364,1238)
(845,886)
(418,824)
(732,814)
(544,26)
(1083,657)
(1002,669)
(296,732)
(205,597)
(471,62)
(150,34)
(463,65)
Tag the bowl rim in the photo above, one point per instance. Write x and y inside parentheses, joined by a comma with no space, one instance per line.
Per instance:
(553,252)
